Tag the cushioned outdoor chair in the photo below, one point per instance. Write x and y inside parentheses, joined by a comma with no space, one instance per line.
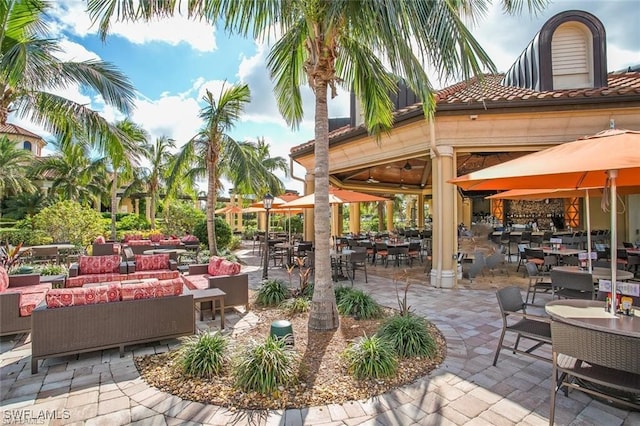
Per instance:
(516,320)
(537,282)
(572,285)
(608,362)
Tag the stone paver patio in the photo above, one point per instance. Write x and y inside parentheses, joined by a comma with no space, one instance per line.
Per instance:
(100,388)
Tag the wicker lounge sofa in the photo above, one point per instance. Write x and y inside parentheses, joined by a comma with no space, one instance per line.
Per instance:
(96,269)
(223,274)
(19,295)
(77,320)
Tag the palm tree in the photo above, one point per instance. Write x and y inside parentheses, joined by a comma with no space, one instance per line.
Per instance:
(13,176)
(74,175)
(122,149)
(326,43)
(260,178)
(159,156)
(27,204)
(202,154)
(30,72)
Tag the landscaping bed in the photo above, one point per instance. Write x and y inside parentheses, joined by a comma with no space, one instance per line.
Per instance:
(322,375)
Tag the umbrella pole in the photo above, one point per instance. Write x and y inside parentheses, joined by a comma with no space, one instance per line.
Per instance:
(587,202)
(613,174)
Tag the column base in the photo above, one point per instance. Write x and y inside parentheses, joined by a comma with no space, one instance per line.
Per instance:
(448,278)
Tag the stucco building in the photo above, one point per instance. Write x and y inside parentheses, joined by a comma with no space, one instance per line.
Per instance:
(557,91)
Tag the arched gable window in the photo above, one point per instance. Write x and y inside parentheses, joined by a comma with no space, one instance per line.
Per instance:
(26,145)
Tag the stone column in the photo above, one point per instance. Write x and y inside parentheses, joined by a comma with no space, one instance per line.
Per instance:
(420,218)
(136,206)
(381,215)
(336,219)
(354,218)
(389,209)
(443,274)
(309,188)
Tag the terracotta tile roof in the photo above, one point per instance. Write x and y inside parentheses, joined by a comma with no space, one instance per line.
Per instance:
(17,130)
(490,92)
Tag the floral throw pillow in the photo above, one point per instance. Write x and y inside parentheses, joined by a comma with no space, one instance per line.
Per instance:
(151,262)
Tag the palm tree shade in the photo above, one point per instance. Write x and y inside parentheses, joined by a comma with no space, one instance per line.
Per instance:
(362,45)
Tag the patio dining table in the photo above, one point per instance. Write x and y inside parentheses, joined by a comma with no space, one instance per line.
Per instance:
(591,314)
(598,272)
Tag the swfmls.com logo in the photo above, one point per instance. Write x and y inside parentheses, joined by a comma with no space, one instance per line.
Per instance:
(33,417)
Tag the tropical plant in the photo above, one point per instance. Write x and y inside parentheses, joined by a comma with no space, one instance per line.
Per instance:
(159,157)
(223,232)
(69,221)
(340,291)
(10,256)
(122,150)
(32,75)
(359,304)
(205,355)
(181,216)
(409,336)
(211,144)
(272,292)
(371,358)
(132,222)
(26,204)
(13,176)
(73,174)
(264,367)
(295,305)
(326,43)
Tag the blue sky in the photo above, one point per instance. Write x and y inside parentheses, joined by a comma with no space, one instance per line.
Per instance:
(172,62)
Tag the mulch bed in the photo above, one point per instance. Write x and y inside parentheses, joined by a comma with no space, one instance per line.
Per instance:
(322,375)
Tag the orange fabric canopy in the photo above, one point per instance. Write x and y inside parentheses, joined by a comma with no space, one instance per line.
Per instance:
(578,164)
(541,194)
(336,196)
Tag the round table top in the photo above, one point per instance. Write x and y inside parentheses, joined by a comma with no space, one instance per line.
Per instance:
(598,272)
(591,314)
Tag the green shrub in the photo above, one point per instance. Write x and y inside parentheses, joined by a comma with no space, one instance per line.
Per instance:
(340,292)
(272,293)
(132,222)
(51,269)
(69,221)
(266,367)
(371,358)
(409,335)
(359,304)
(181,216)
(205,355)
(223,232)
(297,305)
(27,236)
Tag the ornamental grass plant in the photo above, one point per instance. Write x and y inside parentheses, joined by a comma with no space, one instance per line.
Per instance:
(371,357)
(272,293)
(205,355)
(359,304)
(408,336)
(266,367)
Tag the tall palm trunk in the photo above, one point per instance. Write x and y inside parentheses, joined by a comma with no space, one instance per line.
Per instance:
(211,207)
(152,209)
(114,203)
(324,313)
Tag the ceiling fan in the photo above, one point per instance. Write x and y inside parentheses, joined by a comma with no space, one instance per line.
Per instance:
(407,166)
(370,179)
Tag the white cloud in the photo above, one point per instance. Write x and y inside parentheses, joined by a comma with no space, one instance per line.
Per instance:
(71,15)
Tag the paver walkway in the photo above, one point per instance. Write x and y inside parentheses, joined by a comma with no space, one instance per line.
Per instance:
(100,388)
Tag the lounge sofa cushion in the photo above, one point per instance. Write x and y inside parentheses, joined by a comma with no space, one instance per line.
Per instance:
(80,280)
(170,242)
(4,279)
(139,242)
(151,262)
(196,282)
(61,297)
(222,266)
(156,237)
(29,301)
(152,288)
(106,264)
(162,274)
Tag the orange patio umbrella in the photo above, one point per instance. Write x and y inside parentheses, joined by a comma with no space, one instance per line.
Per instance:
(229,209)
(336,196)
(609,159)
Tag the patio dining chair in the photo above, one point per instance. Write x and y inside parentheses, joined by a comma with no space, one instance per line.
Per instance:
(537,282)
(357,260)
(572,285)
(515,319)
(586,354)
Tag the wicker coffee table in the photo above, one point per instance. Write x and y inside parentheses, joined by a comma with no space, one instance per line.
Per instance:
(210,295)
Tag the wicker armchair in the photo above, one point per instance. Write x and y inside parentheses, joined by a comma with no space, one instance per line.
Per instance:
(531,327)
(608,361)
(572,285)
